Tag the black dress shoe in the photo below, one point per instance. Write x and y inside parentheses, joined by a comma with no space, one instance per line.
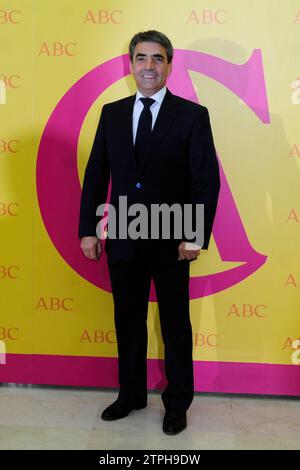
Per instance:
(120,409)
(174,422)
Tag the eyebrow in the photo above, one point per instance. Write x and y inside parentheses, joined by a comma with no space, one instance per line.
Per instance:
(153,55)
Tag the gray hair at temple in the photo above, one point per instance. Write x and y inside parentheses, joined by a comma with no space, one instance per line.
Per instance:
(151,36)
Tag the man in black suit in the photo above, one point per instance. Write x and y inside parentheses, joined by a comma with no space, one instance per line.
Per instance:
(158,149)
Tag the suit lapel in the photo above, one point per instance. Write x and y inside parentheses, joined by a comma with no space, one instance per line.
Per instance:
(125,116)
(165,118)
(167,114)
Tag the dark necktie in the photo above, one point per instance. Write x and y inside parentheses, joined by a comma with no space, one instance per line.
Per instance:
(143,132)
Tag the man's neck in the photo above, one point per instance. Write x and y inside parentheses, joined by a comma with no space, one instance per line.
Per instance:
(149,95)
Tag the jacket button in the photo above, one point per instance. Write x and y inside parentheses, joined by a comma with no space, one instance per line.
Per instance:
(138,185)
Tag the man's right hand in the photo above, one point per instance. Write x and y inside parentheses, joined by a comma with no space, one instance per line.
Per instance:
(91,247)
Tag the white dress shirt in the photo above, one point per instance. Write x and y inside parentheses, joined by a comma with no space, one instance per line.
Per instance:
(154,108)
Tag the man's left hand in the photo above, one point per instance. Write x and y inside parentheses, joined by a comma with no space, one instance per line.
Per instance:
(186,251)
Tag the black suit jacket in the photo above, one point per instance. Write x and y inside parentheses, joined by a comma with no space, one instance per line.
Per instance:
(180,166)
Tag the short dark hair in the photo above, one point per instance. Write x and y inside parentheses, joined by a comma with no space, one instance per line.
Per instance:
(151,36)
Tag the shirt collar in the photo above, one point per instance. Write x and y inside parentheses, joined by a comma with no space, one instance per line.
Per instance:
(158,96)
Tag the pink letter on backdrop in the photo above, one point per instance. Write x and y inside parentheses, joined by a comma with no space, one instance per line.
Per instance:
(58,184)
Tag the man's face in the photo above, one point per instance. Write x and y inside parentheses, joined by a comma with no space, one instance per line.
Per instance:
(150,67)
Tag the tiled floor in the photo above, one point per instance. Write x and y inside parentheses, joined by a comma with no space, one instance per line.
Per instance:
(42,417)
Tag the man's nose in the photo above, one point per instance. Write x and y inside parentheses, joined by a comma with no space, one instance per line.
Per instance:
(149,63)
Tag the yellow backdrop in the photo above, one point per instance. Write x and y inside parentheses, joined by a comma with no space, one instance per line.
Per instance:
(246,70)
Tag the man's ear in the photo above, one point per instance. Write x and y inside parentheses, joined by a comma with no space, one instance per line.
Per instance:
(170,68)
(130,66)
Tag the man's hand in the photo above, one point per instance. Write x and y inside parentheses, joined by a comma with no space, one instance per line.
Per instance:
(91,247)
(188,254)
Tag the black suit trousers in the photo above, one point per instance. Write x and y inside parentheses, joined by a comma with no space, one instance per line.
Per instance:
(130,280)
